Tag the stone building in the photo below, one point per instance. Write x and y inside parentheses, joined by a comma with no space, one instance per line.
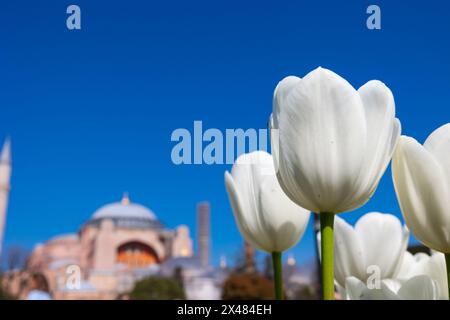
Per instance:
(120,243)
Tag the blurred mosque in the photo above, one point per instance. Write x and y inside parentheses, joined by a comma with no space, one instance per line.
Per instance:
(121,241)
(120,244)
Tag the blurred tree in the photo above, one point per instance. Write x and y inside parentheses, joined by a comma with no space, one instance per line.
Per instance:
(4,295)
(157,288)
(247,287)
(309,292)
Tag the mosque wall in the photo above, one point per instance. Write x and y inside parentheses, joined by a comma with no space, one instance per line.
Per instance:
(120,239)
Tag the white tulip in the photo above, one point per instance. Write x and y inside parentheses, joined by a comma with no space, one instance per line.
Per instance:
(423,264)
(265,216)
(421,177)
(416,288)
(333,142)
(413,265)
(373,248)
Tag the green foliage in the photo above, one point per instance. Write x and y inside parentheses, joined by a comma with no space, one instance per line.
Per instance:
(247,287)
(5,295)
(157,288)
(309,292)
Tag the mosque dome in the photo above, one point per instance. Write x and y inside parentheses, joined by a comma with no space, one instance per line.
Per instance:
(126,214)
(124,209)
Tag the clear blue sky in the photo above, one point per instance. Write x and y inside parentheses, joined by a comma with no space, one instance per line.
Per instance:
(90,112)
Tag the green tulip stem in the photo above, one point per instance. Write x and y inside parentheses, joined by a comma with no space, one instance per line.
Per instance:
(447,262)
(277,275)
(326,231)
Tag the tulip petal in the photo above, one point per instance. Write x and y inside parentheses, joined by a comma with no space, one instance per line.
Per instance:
(413,265)
(274,143)
(437,270)
(243,222)
(423,193)
(383,133)
(388,291)
(438,144)
(282,90)
(349,256)
(357,290)
(379,107)
(383,241)
(418,288)
(354,288)
(283,220)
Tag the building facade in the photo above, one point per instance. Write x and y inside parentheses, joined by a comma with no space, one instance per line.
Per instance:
(121,243)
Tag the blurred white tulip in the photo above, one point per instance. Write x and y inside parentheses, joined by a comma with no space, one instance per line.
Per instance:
(265,216)
(416,288)
(424,264)
(421,177)
(413,265)
(373,248)
(331,143)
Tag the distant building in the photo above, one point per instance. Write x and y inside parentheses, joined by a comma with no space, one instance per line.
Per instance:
(203,232)
(121,243)
(201,280)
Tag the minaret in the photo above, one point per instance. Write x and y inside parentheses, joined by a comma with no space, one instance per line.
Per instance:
(203,233)
(5,175)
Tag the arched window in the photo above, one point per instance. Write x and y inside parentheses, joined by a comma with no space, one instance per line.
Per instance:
(136,255)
